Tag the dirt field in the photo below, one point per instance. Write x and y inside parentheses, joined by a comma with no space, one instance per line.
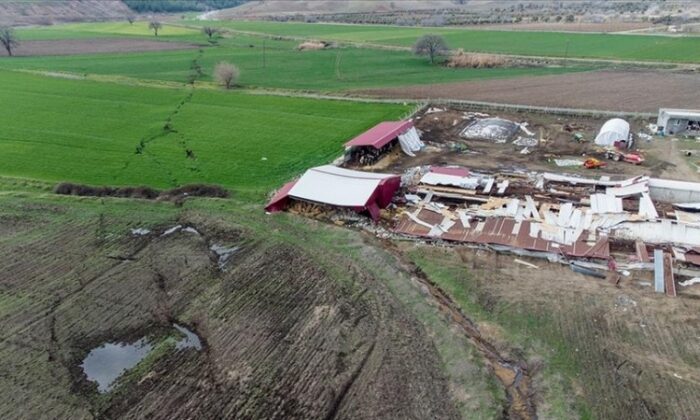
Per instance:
(93,46)
(634,91)
(624,353)
(567,27)
(445,146)
(307,342)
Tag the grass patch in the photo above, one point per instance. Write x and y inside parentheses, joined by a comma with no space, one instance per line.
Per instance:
(107,30)
(533,331)
(549,44)
(277,64)
(108,134)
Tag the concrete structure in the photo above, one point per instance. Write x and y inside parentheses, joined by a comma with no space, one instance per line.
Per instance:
(679,121)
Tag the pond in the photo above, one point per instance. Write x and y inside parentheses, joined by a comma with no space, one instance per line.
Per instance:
(106,363)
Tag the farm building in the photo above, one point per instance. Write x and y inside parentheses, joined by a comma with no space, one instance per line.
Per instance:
(369,146)
(338,187)
(615,132)
(679,121)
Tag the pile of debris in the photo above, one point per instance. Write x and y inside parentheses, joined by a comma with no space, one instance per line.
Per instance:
(561,218)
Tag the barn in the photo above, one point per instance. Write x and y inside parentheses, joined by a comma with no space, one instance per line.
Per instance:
(370,146)
(361,191)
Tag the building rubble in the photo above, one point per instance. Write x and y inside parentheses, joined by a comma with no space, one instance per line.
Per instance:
(595,225)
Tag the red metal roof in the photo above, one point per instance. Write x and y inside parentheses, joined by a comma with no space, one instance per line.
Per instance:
(279,200)
(502,231)
(381,134)
(450,170)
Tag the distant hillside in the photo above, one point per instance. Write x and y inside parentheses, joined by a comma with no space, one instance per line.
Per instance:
(270,7)
(171,6)
(45,12)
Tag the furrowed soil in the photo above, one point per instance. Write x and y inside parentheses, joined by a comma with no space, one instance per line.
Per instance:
(288,333)
(599,90)
(93,46)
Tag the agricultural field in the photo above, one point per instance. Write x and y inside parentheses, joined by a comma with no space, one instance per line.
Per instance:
(608,90)
(106,30)
(314,341)
(596,351)
(548,44)
(244,314)
(109,134)
(263,62)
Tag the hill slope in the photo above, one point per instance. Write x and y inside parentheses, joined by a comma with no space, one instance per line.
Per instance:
(48,12)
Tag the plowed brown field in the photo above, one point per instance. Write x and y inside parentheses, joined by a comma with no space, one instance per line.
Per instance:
(285,337)
(633,91)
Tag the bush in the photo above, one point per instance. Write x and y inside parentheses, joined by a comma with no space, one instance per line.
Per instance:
(460,59)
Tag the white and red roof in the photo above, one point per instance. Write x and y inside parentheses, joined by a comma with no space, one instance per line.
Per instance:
(339,187)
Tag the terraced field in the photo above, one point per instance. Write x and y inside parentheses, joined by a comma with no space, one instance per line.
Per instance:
(549,44)
(103,133)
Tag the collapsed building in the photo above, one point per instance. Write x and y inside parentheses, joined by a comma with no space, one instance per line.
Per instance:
(585,222)
(333,186)
(603,227)
(370,146)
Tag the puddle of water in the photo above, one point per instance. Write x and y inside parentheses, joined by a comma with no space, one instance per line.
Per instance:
(191,339)
(108,362)
(105,364)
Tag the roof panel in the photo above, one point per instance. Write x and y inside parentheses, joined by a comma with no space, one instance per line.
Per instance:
(381,134)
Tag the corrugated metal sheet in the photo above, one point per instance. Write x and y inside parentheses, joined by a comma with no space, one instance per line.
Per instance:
(658,271)
(381,134)
(434,178)
(660,232)
(603,203)
(501,231)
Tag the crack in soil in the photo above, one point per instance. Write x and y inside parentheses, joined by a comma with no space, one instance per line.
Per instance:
(345,389)
(512,374)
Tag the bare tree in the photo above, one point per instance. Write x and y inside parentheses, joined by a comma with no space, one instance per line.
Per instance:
(155,26)
(226,74)
(209,31)
(8,39)
(432,46)
(131,19)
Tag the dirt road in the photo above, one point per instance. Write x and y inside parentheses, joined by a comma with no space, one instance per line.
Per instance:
(632,91)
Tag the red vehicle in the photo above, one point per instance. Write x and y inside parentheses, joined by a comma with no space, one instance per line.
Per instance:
(618,156)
